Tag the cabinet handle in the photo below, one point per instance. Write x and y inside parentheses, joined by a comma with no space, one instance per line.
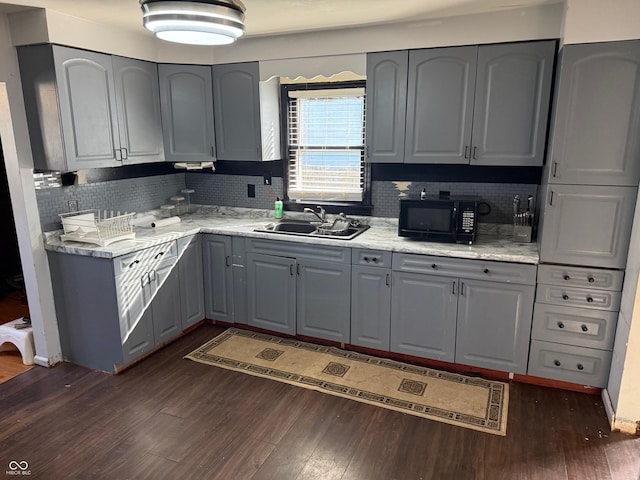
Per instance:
(580,366)
(462,288)
(590,299)
(388,280)
(555,168)
(567,277)
(565,297)
(118,154)
(591,279)
(556,363)
(227,261)
(453,287)
(142,279)
(560,325)
(466,151)
(135,262)
(125,154)
(486,270)
(158,255)
(291,269)
(475,153)
(152,278)
(298,269)
(551,198)
(584,328)
(367,152)
(434,266)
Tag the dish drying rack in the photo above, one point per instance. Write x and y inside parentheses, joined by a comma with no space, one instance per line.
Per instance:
(98,227)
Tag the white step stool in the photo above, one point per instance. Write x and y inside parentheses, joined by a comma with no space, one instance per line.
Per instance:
(20,337)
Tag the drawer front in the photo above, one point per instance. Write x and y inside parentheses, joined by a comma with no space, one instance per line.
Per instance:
(582,327)
(371,258)
(578,297)
(139,262)
(584,366)
(307,251)
(580,277)
(456,267)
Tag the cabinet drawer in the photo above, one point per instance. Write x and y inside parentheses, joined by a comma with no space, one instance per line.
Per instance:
(372,258)
(585,366)
(574,326)
(456,267)
(580,277)
(149,258)
(307,251)
(578,297)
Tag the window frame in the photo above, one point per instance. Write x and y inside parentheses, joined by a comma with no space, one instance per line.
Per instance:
(363,207)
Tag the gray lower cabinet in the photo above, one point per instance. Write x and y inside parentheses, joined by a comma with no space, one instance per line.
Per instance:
(218,277)
(370,307)
(587,225)
(596,130)
(186,99)
(191,280)
(89,110)
(165,304)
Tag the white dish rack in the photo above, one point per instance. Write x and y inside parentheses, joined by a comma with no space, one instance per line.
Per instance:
(98,227)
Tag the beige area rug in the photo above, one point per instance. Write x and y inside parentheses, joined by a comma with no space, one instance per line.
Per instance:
(445,397)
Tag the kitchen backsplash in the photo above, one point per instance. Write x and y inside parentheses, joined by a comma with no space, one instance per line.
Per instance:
(146,193)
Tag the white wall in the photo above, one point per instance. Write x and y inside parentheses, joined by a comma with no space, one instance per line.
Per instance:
(601,20)
(19,165)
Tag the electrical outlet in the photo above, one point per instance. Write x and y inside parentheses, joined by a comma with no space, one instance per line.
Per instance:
(251,190)
(73,205)
(267,178)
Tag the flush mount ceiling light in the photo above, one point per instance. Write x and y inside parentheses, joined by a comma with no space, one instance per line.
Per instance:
(196,22)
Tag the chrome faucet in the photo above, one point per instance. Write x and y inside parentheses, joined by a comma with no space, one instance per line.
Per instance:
(322,214)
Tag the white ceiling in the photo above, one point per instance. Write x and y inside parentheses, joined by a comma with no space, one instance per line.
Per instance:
(271,17)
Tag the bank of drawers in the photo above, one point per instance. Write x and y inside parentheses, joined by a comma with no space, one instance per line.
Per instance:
(574,324)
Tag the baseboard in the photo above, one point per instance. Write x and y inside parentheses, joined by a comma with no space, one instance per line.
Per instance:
(608,407)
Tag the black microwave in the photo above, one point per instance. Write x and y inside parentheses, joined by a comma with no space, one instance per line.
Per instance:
(451,219)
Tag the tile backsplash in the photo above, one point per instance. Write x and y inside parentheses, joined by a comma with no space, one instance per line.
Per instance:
(231,190)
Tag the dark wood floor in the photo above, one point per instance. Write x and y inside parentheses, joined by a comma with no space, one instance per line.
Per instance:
(173,418)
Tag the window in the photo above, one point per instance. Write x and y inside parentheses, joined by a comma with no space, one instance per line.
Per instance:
(325,130)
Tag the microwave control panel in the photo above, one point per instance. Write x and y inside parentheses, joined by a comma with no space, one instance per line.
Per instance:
(468,219)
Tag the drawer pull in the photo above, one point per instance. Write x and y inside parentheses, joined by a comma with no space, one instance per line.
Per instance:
(556,363)
(565,297)
(590,299)
(158,255)
(434,266)
(486,270)
(375,259)
(584,328)
(567,277)
(591,279)
(134,263)
(580,366)
(560,325)
(366,259)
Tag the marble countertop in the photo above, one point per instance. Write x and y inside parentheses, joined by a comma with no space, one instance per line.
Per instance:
(494,241)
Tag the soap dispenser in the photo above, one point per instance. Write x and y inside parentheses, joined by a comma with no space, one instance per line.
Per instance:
(278,207)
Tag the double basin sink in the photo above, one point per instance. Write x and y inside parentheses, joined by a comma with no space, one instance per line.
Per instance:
(312,229)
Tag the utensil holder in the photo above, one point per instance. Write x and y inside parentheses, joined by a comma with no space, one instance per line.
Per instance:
(522,233)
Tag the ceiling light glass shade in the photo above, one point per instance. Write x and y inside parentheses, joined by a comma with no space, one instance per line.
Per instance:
(197,22)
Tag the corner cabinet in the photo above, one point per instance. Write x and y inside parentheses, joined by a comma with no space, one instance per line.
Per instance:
(89,110)
(186,99)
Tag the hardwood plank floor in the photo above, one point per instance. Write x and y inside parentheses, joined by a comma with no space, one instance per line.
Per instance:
(168,417)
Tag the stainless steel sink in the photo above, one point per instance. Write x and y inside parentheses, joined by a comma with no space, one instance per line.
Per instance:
(306,228)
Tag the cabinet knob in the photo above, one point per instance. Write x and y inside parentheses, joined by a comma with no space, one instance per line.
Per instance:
(580,366)
(565,296)
(486,270)
(584,328)
(591,279)
(366,259)
(590,299)
(434,266)
(556,363)
(560,325)
(567,277)
(375,259)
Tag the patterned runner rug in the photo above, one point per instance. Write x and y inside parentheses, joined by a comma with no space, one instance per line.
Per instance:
(469,402)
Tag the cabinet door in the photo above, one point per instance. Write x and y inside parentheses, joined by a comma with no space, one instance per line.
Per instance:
(423,309)
(191,282)
(513,87)
(440,105)
(165,304)
(386,106)
(323,300)
(87,98)
(139,339)
(186,99)
(596,135)
(370,307)
(236,110)
(138,100)
(271,292)
(494,325)
(587,225)
(218,281)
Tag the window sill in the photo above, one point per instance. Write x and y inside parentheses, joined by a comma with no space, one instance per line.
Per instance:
(332,208)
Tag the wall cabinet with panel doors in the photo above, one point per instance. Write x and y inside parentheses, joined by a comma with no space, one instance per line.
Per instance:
(191,280)
(218,277)
(299,289)
(469,311)
(89,110)
(586,225)
(596,128)
(485,105)
(133,303)
(186,98)
(246,113)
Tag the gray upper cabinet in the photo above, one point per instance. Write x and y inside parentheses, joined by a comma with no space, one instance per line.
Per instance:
(89,110)
(596,132)
(237,111)
(186,98)
(512,96)
(587,225)
(386,106)
(440,105)
(218,277)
